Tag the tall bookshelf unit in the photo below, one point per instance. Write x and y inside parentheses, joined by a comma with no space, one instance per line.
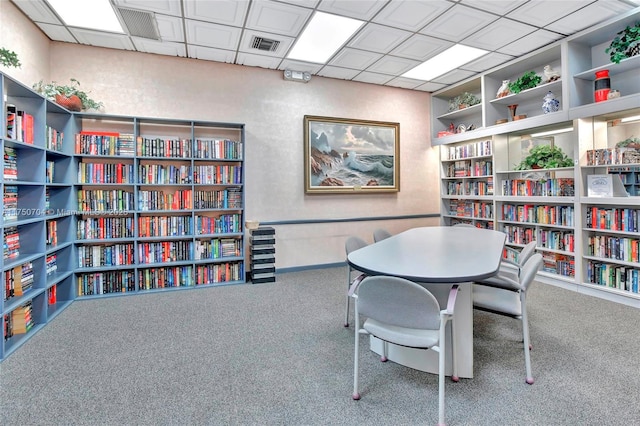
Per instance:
(100,205)
(590,244)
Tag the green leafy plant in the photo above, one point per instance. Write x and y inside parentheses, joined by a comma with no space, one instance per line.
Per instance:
(629,142)
(625,45)
(50,90)
(545,157)
(529,80)
(463,100)
(9,58)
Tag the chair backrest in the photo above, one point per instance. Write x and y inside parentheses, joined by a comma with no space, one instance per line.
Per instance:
(354,243)
(529,270)
(527,251)
(380,234)
(464,225)
(399,302)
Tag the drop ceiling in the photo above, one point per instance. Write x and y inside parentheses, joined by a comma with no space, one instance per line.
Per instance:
(397,35)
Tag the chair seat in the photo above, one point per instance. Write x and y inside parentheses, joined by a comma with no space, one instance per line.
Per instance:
(411,337)
(497,299)
(499,280)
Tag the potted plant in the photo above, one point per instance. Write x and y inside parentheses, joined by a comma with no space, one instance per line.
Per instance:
(69,96)
(625,45)
(629,143)
(9,58)
(462,101)
(529,80)
(545,157)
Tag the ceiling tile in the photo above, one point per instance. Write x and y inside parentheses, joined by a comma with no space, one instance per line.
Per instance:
(590,15)
(498,34)
(421,47)
(543,12)
(500,7)
(158,47)
(166,7)
(228,12)
(102,39)
(212,35)
(361,9)
(289,64)
(530,42)
(458,22)
(38,11)
(210,54)
(378,38)
(405,83)
(304,3)
(453,76)
(411,15)
(371,77)
(337,72)
(277,18)
(430,87)
(57,32)
(257,61)
(487,61)
(356,59)
(393,65)
(247,40)
(170,28)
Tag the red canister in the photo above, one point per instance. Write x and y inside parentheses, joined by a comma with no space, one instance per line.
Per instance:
(602,85)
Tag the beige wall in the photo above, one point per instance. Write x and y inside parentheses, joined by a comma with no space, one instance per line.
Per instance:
(131,83)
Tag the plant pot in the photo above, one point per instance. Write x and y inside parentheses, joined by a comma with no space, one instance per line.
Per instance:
(72,103)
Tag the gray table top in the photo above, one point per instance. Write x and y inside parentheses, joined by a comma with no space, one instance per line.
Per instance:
(437,254)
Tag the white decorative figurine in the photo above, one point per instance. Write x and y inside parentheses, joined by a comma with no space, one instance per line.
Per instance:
(504,89)
(550,73)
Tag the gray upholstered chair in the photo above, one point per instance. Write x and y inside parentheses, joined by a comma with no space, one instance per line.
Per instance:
(510,299)
(404,313)
(351,244)
(464,225)
(380,234)
(510,270)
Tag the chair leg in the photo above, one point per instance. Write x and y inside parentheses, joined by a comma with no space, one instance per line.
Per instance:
(385,351)
(454,356)
(346,315)
(356,394)
(525,335)
(441,365)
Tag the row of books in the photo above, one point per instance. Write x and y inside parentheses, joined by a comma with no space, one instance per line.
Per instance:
(468,208)
(176,276)
(481,225)
(222,224)
(180,199)
(219,273)
(519,234)
(470,188)
(106,255)
(11,247)
(606,156)
(106,282)
(217,248)
(49,171)
(558,264)
(474,149)
(164,251)
(10,202)
(230,198)
(20,125)
(614,276)
(218,149)
(217,175)
(165,174)
(614,219)
(105,173)
(54,139)
(165,226)
(19,321)
(105,143)
(18,280)
(618,248)
(51,264)
(10,170)
(556,240)
(540,214)
(558,187)
(93,200)
(104,227)
(467,168)
(52,233)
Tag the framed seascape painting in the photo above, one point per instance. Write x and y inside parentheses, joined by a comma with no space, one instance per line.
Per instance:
(350,156)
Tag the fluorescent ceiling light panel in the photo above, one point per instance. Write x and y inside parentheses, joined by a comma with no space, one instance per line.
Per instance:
(552,132)
(630,119)
(444,62)
(91,14)
(324,35)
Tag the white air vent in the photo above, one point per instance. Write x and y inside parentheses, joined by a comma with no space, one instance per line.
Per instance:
(265,44)
(140,23)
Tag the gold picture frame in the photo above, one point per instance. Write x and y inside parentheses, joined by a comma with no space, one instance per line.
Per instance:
(345,156)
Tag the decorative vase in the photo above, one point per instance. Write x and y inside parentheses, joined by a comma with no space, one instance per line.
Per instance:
(602,85)
(512,110)
(550,104)
(72,103)
(613,94)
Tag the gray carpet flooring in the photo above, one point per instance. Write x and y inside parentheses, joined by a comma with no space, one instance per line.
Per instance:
(277,354)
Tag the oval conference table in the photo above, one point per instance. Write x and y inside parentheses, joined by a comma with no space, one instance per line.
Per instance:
(436,257)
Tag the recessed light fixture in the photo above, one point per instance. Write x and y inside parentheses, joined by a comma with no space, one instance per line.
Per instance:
(444,62)
(552,132)
(630,119)
(322,37)
(94,15)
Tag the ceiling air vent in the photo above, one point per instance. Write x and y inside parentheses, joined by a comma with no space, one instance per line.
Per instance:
(264,44)
(139,23)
